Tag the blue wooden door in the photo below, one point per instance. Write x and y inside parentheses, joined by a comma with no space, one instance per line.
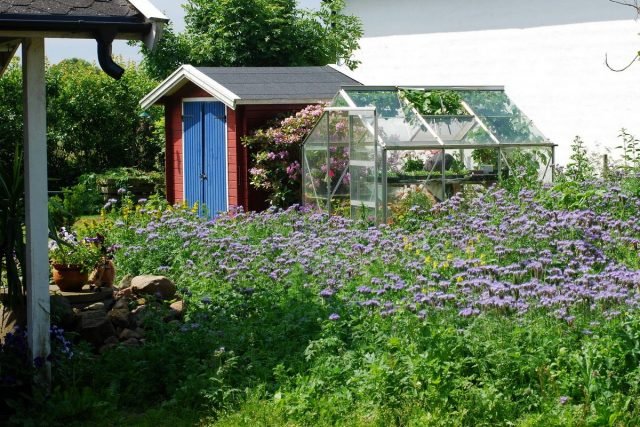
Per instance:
(205,156)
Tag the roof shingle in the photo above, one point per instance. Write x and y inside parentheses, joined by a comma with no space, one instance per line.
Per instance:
(279,83)
(71,8)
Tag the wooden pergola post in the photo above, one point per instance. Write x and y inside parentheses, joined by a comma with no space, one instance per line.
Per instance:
(35,169)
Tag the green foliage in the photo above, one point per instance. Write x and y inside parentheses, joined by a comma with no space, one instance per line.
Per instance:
(411,206)
(263,343)
(413,164)
(59,216)
(579,168)
(83,198)
(275,165)
(93,122)
(68,250)
(257,33)
(10,113)
(630,148)
(12,243)
(126,178)
(435,102)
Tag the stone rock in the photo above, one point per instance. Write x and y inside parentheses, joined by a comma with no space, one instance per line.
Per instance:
(106,348)
(175,311)
(140,332)
(178,307)
(94,326)
(138,310)
(121,303)
(159,286)
(127,334)
(112,340)
(62,313)
(125,282)
(124,293)
(131,342)
(119,317)
(95,306)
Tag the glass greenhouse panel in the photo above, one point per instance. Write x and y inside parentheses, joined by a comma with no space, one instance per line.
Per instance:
(502,117)
(364,170)
(530,163)
(398,123)
(340,135)
(386,102)
(314,163)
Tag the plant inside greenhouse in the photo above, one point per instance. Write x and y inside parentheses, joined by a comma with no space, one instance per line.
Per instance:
(376,149)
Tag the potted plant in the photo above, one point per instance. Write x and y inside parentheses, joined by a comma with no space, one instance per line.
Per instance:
(72,259)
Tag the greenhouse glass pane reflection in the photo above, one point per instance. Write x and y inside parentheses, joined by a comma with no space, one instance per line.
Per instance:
(374,145)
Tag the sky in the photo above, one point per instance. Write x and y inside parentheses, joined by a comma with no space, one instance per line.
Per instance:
(59,49)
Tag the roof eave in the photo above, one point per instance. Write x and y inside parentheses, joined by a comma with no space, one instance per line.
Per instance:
(157,19)
(282,101)
(188,73)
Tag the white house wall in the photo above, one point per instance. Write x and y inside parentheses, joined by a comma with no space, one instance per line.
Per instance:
(549,55)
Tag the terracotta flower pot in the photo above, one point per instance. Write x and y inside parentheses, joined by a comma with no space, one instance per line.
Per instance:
(69,278)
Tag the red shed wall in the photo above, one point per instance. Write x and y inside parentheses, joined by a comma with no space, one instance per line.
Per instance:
(242,122)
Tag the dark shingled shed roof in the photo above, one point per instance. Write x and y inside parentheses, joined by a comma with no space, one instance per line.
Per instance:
(256,85)
(279,83)
(120,9)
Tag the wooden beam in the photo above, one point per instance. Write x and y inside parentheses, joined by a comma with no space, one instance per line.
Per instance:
(8,48)
(35,143)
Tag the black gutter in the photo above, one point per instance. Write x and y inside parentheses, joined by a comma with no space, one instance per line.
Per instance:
(104,30)
(105,37)
(73,26)
(69,18)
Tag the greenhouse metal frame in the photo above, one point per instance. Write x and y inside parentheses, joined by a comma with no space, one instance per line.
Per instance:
(356,160)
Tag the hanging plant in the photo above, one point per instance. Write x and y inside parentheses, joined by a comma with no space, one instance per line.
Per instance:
(435,102)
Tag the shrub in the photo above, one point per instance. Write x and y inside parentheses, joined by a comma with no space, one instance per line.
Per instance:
(275,165)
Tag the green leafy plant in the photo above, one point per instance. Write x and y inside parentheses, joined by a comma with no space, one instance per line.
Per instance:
(68,250)
(124,177)
(485,156)
(12,243)
(579,168)
(435,102)
(275,165)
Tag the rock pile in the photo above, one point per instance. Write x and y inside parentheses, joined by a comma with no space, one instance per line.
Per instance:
(118,318)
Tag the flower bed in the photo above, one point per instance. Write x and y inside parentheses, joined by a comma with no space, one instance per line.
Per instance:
(488,309)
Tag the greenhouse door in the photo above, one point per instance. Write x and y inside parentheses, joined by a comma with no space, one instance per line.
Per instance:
(205,156)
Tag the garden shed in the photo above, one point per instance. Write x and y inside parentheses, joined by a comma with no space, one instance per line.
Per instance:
(376,149)
(207,112)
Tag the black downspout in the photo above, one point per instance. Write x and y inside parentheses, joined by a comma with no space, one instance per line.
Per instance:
(105,38)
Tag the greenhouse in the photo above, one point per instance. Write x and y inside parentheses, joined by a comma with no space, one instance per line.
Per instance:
(377,149)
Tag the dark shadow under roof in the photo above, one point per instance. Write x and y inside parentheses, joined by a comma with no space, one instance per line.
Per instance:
(120,9)
(279,83)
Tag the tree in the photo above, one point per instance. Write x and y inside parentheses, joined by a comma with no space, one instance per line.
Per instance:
(93,122)
(257,33)
(635,4)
